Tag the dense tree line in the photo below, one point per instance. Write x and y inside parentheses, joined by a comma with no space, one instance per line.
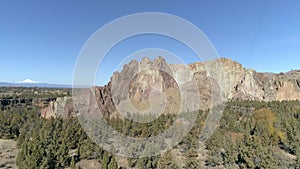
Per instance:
(12,120)
(58,143)
(33,92)
(257,135)
(251,134)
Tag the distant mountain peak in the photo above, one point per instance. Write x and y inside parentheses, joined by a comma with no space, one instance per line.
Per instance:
(27,81)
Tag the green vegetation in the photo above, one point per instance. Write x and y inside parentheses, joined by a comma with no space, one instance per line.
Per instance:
(33,92)
(251,134)
(12,121)
(257,135)
(54,143)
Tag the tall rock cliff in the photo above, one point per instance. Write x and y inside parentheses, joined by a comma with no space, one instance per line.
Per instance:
(152,86)
(223,78)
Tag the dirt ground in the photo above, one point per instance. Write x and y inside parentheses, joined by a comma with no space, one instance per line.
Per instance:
(8,154)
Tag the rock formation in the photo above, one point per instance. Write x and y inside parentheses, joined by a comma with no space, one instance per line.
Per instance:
(146,84)
(224,78)
(62,107)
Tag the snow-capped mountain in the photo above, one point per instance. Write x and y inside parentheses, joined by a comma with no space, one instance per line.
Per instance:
(32,83)
(28,81)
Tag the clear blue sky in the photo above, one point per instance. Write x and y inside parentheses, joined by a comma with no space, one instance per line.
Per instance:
(41,40)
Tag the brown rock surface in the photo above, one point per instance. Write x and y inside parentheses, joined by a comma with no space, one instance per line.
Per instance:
(222,78)
(146,84)
(61,106)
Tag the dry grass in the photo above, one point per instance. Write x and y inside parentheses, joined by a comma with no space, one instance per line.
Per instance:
(8,153)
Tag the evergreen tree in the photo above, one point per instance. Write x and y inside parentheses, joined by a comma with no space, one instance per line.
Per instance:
(105,161)
(113,164)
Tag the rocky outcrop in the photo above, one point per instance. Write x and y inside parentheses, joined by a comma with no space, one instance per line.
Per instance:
(149,86)
(247,84)
(144,87)
(289,89)
(104,99)
(222,79)
(60,107)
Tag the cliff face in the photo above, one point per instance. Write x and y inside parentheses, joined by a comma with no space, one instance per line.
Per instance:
(225,77)
(104,98)
(150,86)
(251,85)
(61,106)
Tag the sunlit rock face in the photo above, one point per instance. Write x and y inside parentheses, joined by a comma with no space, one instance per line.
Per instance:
(246,84)
(60,107)
(146,87)
(154,86)
(216,80)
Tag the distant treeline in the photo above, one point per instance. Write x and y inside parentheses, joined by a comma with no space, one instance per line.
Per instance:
(33,92)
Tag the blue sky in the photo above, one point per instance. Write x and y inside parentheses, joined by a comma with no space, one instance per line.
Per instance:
(41,40)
